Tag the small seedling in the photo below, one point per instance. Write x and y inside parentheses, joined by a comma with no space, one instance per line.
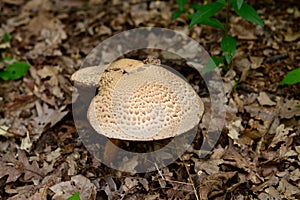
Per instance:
(13,69)
(204,15)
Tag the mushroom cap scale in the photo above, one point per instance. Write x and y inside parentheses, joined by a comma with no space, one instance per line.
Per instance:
(143,103)
(88,76)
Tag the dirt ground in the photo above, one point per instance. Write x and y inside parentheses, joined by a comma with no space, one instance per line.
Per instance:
(42,156)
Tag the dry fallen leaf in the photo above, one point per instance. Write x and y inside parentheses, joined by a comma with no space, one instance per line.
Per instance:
(290,37)
(46,117)
(14,168)
(215,185)
(289,108)
(265,100)
(256,62)
(78,183)
(4,132)
(280,136)
(50,73)
(210,166)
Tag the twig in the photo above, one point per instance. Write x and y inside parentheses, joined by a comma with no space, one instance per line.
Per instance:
(191,180)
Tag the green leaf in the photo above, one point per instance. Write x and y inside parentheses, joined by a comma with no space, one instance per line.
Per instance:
(181,4)
(75,196)
(177,13)
(212,63)
(247,12)
(14,71)
(213,23)
(180,10)
(195,6)
(228,46)
(292,77)
(236,3)
(239,3)
(6,37)
(190,16)
(206,11)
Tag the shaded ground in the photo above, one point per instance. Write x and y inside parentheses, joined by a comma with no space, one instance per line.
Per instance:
(41,156)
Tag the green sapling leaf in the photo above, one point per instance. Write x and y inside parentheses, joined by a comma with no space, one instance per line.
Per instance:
(177,13)
(213,23)
(228,46)
(206,11)
(180,10)
(239,3)
(236,3)
(247,12)
(181,4)
(292,77)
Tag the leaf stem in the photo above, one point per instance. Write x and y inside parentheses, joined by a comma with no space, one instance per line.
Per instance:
(227,17)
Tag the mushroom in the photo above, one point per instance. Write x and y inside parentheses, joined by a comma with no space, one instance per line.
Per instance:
(139,102)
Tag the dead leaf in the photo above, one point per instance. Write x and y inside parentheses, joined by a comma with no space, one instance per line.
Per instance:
(71,160)
(128,165)
(78,183)
(50,73)
(290,37)
(14,168)
(26,143)
(288,189)
(243,65)
(4,131)
(209,166)
(46,117)
(215,185)
(129,184)
(265,100)
(295,175)
(243,29)
(280,136)
(256,62)
(53,155)
(289,108)
(14,2)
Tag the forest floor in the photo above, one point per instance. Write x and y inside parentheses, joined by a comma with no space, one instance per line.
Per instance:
(42,156)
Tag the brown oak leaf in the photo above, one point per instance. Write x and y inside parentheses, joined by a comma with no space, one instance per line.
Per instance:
(14,168)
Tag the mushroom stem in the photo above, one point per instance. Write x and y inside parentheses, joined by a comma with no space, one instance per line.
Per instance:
(110,150)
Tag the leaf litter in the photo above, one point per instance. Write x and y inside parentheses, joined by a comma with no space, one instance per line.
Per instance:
(41,156)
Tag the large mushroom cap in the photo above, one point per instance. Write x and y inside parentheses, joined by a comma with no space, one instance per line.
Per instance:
(143,103)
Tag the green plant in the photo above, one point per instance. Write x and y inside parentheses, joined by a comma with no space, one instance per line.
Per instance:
(204,15)
(292,77)
(75,196)
(13,69)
